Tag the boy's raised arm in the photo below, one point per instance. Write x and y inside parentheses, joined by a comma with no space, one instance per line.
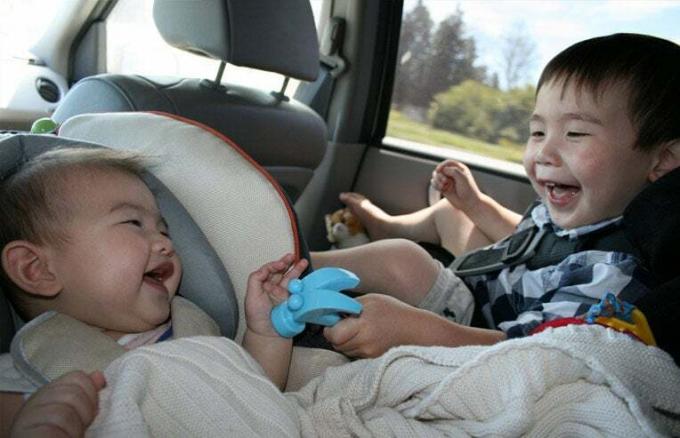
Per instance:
(456,183)
(495,220)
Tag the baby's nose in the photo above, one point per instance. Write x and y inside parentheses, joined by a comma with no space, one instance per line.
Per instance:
(163,245)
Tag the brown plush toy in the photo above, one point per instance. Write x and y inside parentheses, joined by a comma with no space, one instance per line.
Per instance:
(344,229)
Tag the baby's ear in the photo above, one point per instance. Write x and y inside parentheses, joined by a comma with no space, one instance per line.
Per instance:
(28,266)
(668,159)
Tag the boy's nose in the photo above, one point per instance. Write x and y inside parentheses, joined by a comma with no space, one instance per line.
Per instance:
(548,152)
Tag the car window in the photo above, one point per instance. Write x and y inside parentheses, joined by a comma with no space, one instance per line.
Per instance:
(467,69)
(20,28)
(134,46)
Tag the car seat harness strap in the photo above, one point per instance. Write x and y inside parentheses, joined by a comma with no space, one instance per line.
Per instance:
(538,247)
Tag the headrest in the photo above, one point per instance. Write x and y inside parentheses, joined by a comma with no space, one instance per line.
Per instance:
(272,35)
(239,207)
(202,268)
(651,224)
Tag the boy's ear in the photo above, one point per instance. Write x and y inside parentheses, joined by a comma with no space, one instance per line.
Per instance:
(667,160)
(28,266)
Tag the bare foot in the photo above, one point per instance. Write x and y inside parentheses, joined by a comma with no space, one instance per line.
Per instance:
(376,221)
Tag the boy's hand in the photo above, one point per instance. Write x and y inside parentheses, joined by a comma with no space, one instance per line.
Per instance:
(456,183)
(266,289)
(62,408)
(385,322)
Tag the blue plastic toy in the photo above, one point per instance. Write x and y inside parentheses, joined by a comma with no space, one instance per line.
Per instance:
(315,299)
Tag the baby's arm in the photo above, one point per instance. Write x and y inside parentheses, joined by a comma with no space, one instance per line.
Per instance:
(456,183)
(386,322)
(266,289)
(62,408)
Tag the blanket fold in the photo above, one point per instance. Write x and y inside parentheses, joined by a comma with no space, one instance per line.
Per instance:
(576,380)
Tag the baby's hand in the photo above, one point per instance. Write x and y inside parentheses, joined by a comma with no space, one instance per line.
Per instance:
(384,322)
(62,408)
(456,183)
(266,289)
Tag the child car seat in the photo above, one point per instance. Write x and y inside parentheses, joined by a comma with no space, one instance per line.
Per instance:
(229,215)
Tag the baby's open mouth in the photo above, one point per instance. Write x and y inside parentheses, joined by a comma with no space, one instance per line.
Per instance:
(159,274)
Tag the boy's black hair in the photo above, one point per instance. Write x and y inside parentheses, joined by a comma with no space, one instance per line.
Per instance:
(649,66)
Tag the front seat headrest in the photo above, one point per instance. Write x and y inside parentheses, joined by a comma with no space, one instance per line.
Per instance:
(273,35)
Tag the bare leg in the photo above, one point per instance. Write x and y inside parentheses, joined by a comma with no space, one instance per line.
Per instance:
(395,267)
(440,223)
(444,225)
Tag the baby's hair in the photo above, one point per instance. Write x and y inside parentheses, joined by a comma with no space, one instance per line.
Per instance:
(31,207)
(648,66)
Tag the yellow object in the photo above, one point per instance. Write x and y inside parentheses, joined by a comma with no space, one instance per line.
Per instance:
(639,327)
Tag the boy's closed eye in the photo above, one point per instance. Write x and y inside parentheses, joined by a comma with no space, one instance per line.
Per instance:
(574,134)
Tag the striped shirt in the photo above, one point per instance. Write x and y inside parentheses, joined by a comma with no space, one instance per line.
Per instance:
(516,299)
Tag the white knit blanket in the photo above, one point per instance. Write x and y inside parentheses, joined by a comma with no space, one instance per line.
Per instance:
(572,381)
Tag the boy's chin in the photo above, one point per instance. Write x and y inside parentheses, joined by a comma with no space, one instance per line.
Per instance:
(564,220)
(572,220)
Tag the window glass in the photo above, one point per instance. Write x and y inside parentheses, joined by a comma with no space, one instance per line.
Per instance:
(20,28)
(466,70)
(134,46)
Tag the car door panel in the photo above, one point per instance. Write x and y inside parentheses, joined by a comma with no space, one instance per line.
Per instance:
(35,92)
(399,182)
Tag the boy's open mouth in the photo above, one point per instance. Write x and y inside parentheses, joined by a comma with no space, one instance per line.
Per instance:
(157,276)
(561,194)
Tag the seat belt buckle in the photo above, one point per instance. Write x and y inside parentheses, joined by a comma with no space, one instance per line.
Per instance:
(513,254)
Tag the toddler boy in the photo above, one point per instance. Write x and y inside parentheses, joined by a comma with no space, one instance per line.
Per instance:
(605,125)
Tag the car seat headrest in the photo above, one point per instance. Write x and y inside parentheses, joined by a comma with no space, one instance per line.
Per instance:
(202,268)
(265,34)
(239,207)
(651,224)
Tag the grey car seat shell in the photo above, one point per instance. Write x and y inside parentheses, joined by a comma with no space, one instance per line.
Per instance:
(285,136)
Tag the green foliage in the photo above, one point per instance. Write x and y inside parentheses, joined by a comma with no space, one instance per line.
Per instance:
(477,110)
(412,56)
(429,63)
(452,57)
(403,127)
(436,70)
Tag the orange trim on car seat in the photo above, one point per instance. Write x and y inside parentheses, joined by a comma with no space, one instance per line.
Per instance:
(244,154)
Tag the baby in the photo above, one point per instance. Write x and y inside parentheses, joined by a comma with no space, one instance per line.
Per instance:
(82,235)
